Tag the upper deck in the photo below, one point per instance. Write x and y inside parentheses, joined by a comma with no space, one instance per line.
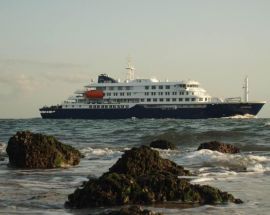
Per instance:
(143,91)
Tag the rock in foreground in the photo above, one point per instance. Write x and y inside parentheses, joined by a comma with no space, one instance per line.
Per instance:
(162,144)
(220,147)
(141,176)
(29,150)
(133,210)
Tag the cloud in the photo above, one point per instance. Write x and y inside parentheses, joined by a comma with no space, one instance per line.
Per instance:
(18,84)
(28,73)
(23,78)
(14,84)
(67,77)
(27,84)
(31,63)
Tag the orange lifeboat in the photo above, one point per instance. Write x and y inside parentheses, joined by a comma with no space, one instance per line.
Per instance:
(94,94)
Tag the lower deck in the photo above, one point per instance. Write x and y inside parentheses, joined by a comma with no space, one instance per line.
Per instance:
(214,110)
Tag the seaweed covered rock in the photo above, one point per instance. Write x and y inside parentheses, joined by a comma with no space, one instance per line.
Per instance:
(210,195)
(163,187)
(29,150)
(132,210)
(113,189)
(162,144)
(220,147)
(144,160)
(108,190)
(124,186)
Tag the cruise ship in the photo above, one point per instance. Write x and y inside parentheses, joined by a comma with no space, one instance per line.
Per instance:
(109,98)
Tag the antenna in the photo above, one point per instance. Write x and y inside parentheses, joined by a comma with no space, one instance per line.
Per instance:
(245,87)
(130,70)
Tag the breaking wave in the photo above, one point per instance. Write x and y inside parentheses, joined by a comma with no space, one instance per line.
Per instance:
(95,153)
(215,161)
(3,148)
(267,124)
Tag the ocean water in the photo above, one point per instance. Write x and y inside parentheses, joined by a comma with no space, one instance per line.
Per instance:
(245,175)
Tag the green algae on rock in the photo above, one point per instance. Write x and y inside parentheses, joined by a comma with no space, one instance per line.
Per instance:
(29,150)
(144,160)
(220,147)
(141,176)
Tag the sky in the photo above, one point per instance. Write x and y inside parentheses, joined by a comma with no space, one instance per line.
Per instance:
(49,49)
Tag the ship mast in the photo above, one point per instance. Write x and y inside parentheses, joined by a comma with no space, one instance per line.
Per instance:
(246,89)
(130,70)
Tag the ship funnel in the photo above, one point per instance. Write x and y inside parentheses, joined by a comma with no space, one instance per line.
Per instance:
(245,87)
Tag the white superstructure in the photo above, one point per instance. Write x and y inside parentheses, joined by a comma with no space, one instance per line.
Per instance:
(140,91)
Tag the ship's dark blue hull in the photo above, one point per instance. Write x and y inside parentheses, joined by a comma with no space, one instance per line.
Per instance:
(140,111)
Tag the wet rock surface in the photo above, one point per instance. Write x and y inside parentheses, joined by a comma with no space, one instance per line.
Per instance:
(29,150)
(144,160)
(220,147)
(162,144)
(133,210)
(141,176)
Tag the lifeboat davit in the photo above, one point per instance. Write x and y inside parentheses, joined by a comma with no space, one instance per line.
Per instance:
(94,94)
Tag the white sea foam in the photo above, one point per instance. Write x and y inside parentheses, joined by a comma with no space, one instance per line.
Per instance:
(2,148)
(258,168)
(166,153)
(197,179)
(90,152)
(202,179)
(222,174)
(230,162)
(246,116)
(267,124)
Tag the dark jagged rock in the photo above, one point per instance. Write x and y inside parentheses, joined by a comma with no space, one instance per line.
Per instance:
(144,160)
(153,182)
(163,187)
(29,150)
(162,144)
(133,210)
(113,189)
(210,195)
(110,189)
(221,147)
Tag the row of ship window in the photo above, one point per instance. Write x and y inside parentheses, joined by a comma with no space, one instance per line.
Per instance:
(114,88)
(152,93)
(116,94)
(153,87)
(167,93)
(173,99)
(102,106)
(142,100)
(167,87)
(156,100)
